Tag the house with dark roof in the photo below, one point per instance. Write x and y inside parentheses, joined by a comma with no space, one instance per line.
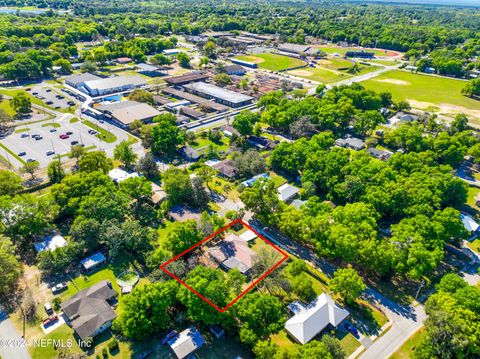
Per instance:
(190,153)
(261,143)
(233,253)
(379,154)
(235,70)
(226,168)
(89,312)
(350,142)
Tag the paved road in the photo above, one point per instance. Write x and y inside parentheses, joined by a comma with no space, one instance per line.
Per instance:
(8,332)
(406,321)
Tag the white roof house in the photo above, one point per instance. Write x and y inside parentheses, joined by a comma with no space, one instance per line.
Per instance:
(186,342)
(311,319)
(470,224)
(118,175)
(287,192)
(50,243)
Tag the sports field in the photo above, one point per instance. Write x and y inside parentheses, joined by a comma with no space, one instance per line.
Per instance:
(342,50)
(272,62)
(430,93)
(320,74)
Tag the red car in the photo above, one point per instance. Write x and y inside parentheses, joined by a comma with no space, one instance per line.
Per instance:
(64,136)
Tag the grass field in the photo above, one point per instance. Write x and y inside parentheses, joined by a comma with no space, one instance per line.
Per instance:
(407,349)
(430,93)
(342,50)
(320,74)
(5,106)
(272,62)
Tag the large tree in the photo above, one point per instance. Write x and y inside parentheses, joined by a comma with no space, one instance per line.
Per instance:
(95,161)
(183,235)
(9,266)
(10,183)
(348,284)
(147,310)
(166,134)
(124,153)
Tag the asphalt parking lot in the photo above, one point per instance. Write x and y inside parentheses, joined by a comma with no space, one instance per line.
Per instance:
(51,141)
(53,98)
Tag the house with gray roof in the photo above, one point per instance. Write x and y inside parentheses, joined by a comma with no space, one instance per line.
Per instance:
(353,143)
(89,312)
(114,84)
(78,80)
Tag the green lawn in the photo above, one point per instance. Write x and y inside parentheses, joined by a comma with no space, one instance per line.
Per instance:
(48,351)
(472,194)
(475,245)
(343,50)
(85,281)
(320,74)
(272,62)
(12,153)
(5,106)
(347,341)
(23,129)
(102,134)
(431,93)
(407,349)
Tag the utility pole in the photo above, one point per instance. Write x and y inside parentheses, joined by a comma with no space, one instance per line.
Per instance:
(420,288)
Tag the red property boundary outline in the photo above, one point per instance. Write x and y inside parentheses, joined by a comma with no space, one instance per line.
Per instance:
(222,310)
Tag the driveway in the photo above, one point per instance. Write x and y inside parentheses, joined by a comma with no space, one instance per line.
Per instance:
(14,348)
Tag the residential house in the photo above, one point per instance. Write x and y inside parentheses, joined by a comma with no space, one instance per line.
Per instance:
(89,312)
(186,342)
(233,253)
(190,153)
(118,175)
(158,194)
(350,142)
(251,181)
(379,154)
(287,192)
(226,168)
(469,223)
(309,320)
(261,143)
(50,243)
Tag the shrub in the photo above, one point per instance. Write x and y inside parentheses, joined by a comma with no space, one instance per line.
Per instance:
(113,345)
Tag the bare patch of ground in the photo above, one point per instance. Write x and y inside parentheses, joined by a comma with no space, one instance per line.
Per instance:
(395,82)
(301,73)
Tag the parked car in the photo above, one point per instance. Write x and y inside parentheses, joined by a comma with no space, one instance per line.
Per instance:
(49,153)
(49,102)
(64,136)
(169,336)
(69,133)
(351,329)
(74,143)
(35,135)
(24,135)
(48,90)
(53,130)
(22,154)
(38,138)
(92,132)
(30,160)
(34,93)
(57,288)
(48,308)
